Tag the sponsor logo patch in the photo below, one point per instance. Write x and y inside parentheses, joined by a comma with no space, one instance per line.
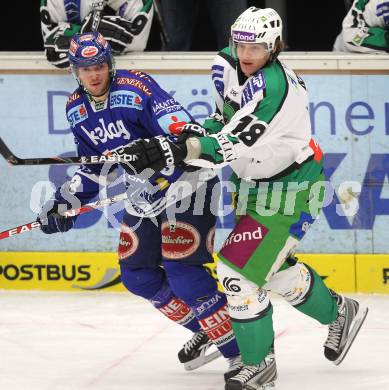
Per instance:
(73,97)
(135,83)
(128,242)
(77,114)
(243,36)
(140,74)
(166,107)
(173,123)
(218,326)
(107,131)
(177,311)
(179,241)
(87,37)
(89,51)
(243,241)
(226,147)
(128,99)
(256,84)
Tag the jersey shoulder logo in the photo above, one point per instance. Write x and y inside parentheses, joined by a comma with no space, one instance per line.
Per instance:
(172,123)
(217,72)
(255,84)
(74,96)
(77,114)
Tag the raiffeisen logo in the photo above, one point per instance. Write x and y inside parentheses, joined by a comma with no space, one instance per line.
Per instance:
(244,236)
(242,36)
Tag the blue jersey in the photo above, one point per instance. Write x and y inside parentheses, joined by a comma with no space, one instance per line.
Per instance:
(136,107)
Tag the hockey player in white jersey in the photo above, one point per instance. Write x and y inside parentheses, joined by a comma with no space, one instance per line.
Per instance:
(365,29)
(262,129)
(125,24)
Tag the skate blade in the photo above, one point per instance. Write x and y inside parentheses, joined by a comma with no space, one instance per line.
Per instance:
(266,386)
(201,360)
(269,377)
(358,322)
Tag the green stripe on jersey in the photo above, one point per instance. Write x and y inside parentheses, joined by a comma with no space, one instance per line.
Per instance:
(377,39)
(361,4)
(146,6)
(274,93)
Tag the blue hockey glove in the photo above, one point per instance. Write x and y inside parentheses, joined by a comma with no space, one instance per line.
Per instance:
(155,153)
(51,221)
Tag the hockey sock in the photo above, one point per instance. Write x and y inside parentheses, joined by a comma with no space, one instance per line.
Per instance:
(194,285)
(175,308)
(215,320)
(319,303)
(255,336)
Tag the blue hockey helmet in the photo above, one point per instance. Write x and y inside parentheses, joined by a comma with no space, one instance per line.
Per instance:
(89,49)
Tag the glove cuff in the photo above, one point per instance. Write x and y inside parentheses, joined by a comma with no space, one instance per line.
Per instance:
(193,146)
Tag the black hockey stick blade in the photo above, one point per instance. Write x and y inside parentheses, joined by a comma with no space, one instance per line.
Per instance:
(7,154)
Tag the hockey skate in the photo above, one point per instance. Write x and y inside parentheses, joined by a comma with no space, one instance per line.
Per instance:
(344,329)
(258,377)
(235,364)
(193,354)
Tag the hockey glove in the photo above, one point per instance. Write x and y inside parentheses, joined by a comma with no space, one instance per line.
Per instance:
(50,219)
(191,130)
(155,153)
(57,47)
(115,29)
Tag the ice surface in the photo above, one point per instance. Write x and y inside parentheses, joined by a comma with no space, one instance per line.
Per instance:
(115,341)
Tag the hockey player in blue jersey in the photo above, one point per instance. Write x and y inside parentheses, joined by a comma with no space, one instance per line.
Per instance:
(161,262)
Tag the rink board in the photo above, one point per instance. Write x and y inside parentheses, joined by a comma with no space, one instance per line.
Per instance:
(350,119)
(75,271)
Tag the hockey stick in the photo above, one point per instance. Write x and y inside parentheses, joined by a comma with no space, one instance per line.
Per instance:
(164,35)
(69,213)
(14,160)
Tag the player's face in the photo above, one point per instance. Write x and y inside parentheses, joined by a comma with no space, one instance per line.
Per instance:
(252,57)
(95,78)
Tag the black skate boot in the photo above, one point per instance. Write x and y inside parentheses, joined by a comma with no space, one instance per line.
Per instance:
(234,366)
(193,356)
(344,329)
(260,376)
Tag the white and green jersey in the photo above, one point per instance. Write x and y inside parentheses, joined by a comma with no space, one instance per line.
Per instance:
(262,125)
(365,28)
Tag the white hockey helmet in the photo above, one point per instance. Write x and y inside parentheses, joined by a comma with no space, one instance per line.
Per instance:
(257,25)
